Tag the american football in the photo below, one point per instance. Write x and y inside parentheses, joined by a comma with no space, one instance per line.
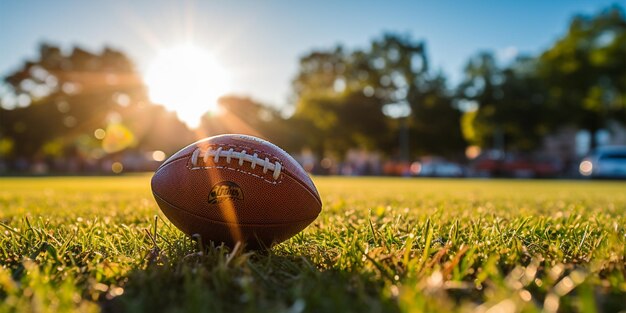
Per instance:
(313,156)
(236,188)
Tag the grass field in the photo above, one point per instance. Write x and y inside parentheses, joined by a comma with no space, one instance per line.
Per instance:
(380,245)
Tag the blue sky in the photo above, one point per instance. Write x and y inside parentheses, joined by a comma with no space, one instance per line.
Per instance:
(260,42)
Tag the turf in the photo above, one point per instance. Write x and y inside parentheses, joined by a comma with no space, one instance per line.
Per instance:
(380,245)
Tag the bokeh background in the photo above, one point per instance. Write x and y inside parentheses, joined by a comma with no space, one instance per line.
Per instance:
(489,89)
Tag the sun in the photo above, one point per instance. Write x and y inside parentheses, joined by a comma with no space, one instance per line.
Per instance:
(188,80)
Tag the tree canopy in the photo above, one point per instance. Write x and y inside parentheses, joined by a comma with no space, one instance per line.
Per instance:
(382,97)
(585,71)
(368,97)
(580,82)
(85,105)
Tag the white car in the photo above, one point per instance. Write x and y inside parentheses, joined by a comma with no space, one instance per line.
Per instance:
(605,162)
(436,167)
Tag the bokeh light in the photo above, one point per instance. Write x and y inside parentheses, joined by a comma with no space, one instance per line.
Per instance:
(158,155)
(99,133)
(585,168)
(472,152)
(326,163)
(117,167)
(118,137)
(416,168)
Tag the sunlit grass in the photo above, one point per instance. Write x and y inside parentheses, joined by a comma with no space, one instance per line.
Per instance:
(380,245)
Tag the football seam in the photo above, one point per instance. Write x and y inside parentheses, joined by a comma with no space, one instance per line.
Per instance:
(311,191)
(238,169)
(242,147)
(227,223)
(286,173)
(229,168)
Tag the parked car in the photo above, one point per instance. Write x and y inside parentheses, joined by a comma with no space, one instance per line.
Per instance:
(497,164)
(436,167)
(605,162)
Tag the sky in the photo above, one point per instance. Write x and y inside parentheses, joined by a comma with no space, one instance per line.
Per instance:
(259,42)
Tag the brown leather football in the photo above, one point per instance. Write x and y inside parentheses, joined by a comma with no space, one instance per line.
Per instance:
(232,188)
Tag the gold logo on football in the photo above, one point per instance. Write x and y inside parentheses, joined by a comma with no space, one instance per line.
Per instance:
(225,190)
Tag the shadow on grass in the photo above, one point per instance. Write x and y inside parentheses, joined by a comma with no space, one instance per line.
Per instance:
(217,280)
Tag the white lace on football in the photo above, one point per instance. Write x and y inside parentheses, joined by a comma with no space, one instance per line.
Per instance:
(241,156)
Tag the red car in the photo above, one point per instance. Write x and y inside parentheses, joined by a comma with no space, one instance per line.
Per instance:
(495,164)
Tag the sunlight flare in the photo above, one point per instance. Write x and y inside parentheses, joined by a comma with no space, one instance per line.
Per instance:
(188,80)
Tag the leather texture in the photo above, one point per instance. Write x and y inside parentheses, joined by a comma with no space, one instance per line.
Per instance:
(232,201)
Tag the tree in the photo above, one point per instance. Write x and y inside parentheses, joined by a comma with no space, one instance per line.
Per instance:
(64,98)
(580,81)
(585,71)
(506,108)
(244,115)
(368,97)
(334,112)
(435,126)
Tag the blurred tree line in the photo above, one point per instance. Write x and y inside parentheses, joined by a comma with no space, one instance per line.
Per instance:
(376,98)
(385,97)
(580,81)
(82,107)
